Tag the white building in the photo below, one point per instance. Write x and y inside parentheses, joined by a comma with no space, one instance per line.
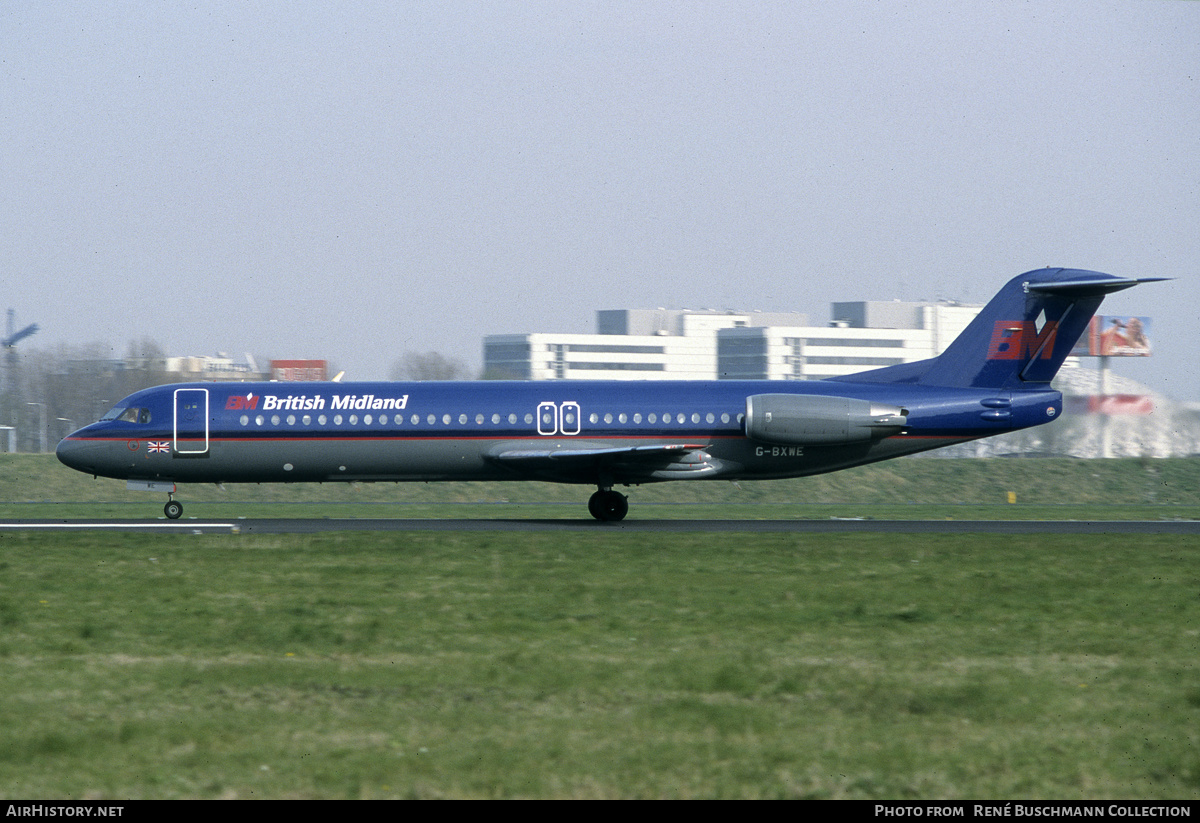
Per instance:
(862,336)
(659,344)
(706,345)
(220,367)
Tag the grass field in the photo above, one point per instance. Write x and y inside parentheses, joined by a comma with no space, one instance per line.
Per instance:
(599,665)
(603,664)
(39,486)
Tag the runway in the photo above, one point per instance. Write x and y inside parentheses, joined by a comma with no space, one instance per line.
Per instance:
(831,526)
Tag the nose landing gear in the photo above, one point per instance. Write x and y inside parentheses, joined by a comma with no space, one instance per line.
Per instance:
(174,509)
(608,505)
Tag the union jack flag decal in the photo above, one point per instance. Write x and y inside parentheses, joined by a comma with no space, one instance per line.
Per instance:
(153,446)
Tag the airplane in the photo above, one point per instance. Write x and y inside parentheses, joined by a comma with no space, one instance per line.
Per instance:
(993,378)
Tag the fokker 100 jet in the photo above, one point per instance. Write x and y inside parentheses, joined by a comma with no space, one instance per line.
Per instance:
(994,378)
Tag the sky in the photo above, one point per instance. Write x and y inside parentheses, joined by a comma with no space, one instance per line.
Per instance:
(352,181)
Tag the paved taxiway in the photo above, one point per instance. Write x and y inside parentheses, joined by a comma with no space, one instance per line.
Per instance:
(315,525)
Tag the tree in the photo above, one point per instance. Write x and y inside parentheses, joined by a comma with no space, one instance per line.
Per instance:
(428,366)
(66,387)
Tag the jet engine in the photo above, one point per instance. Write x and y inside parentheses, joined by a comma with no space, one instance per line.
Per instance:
(813,419)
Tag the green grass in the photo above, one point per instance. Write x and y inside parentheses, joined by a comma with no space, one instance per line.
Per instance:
(578,665)
(607,664)
(576,511)
(39,486)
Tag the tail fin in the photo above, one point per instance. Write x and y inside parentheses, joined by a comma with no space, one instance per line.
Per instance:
(1020,338)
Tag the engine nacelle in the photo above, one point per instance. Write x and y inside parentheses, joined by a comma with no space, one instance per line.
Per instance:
(804,419)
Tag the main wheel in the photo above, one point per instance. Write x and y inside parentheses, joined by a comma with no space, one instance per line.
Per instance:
(173,510)
(608,505)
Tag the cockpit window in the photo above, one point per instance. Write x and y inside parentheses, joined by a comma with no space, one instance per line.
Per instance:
(128,415)
(135,416)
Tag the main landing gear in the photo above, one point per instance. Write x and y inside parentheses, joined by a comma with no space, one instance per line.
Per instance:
(608,505)
(174,509)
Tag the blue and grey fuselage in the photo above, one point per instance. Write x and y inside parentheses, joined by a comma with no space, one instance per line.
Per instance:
(994,378)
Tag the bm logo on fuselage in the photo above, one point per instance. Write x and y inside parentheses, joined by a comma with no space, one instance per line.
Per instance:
(1021,340)
(305,402)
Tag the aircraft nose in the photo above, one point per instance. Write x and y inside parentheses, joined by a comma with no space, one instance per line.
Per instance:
(79,454)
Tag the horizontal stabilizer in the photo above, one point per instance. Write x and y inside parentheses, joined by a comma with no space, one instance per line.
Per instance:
(1090,288)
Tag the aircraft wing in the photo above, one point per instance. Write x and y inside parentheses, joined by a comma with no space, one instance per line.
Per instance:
(585,462)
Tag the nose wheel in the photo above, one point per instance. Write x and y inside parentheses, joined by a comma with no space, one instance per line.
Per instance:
(608,505)
(173,510)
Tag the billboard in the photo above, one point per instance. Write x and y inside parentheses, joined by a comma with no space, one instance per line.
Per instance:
(299,370)
(1109,404)
(1107,335)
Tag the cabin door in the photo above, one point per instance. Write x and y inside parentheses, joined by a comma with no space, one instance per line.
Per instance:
(191,421)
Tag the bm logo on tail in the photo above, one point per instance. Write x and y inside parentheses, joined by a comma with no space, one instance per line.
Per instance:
(1021,340)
